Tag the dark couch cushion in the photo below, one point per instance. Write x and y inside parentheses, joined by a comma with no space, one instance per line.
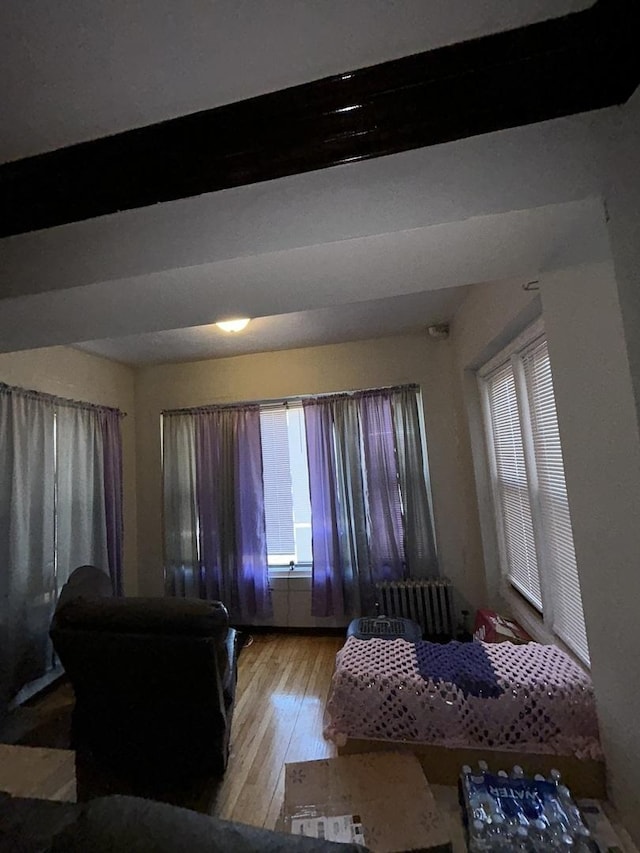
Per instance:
(28,825)
(186,616)
(134,825)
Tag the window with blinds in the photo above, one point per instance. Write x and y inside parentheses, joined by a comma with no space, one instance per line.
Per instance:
(532,508)
(512,486)
(286,485)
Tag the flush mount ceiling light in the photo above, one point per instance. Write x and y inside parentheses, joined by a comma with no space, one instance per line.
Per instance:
(233,325)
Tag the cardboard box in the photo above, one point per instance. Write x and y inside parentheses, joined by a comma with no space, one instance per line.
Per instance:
(381,800)
(490,627)
(602,832)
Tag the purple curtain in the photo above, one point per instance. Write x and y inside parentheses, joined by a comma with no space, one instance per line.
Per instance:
(112,460)
(356,510)
(230,507)
(327,595)
(386,534)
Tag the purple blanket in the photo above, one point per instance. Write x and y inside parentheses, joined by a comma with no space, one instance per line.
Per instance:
(464,664)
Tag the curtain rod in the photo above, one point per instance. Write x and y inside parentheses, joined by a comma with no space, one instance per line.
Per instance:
(297,398)
(56,400)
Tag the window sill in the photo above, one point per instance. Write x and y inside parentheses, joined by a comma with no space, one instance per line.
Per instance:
(533,624)
(302,572)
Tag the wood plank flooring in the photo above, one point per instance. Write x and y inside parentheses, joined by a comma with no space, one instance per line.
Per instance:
(283,682)
(45,774)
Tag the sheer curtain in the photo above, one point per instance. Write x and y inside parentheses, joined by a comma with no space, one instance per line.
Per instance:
(110,420)
(371,519)
(60,507)
(27,575)
(420,546)
(81,519)
(214,508)
(181,556)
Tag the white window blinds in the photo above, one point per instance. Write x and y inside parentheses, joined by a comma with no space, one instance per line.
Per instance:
(511,485)
(559,557)
(276,472)
(286,485)
(532,507)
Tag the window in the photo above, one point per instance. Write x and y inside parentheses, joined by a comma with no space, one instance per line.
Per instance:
(533,520)
(286,486)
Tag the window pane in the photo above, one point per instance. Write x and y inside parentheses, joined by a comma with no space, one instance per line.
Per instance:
(286,485)
(511,485)
(276,472)
(560,558)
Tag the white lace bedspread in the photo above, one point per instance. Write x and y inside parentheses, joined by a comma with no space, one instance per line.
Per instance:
(546,702)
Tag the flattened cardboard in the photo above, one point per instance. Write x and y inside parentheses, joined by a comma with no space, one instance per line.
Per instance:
(387,791)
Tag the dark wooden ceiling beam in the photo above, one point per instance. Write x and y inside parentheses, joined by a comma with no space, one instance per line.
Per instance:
(580,62)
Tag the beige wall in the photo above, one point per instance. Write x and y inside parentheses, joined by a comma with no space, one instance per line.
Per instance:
(79,376)
(598,423)
(341,367)
(491,316)
(598,420)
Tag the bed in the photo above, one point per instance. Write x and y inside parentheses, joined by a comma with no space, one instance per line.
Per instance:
(467,700)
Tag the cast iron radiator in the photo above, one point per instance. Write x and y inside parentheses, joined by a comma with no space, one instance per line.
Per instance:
(427,601)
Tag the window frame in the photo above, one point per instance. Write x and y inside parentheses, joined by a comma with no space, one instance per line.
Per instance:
(539,622)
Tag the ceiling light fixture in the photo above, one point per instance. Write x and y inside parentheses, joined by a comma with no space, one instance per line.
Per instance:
(233,325)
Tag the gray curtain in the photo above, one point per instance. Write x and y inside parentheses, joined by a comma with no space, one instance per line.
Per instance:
(420,546)
(180,510)
(54,497)
(27,571)
(80,506)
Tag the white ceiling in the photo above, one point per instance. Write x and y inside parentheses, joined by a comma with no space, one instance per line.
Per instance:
(361,250)
(356,321)
(80,69)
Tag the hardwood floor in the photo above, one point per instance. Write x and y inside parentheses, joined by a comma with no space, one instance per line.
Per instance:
(283,683)
(45,774)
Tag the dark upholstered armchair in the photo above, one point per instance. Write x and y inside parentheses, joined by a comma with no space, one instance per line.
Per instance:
(154,681)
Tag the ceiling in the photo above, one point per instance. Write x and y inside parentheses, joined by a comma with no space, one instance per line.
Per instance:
(83,69)
(366,249)
(355,321)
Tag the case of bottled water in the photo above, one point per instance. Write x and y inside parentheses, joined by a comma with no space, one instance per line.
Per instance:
(511,812)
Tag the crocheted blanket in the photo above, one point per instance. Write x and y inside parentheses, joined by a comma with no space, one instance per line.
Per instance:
(465,665)
(532,698)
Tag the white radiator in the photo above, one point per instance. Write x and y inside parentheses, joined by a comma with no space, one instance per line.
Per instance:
(427,601)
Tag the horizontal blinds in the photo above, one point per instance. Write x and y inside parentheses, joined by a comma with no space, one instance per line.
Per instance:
(511,484)
(560,558)
(276,473)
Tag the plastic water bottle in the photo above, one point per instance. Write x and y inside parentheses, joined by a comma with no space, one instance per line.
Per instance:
(520,841)
(511,807)
(570,809)
(538,837)
(517,772)
(478,839)
(554,812)
(584,842)
(555,776)
(483,767)
(566,844)
(475,794)
(497,834)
